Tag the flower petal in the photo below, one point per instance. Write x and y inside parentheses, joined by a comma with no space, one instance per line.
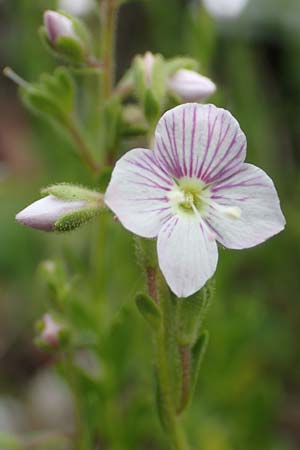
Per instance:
(137,193)
(186,256)
(43,213)
(253,192)
(200,141)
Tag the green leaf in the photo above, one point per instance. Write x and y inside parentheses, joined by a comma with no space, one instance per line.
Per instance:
(151,106)
(197,355)
(40,102)
(149,310)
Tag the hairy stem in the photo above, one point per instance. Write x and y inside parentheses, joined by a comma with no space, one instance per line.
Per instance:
(108,12)
(185,357)
(172,424)
(82,148)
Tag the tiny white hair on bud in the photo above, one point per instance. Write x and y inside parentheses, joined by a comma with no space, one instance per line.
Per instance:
(43,213)
(57,25)
(77,7)
(225,9)
(190,85)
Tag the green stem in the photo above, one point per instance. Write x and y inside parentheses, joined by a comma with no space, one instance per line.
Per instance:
(108,19)
(185,357)
(171,421)
(82,148)
(169,415)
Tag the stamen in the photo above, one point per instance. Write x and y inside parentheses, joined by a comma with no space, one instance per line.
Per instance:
(176,196)
(233,212)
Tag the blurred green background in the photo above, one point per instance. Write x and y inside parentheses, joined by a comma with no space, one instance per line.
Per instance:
(248,395)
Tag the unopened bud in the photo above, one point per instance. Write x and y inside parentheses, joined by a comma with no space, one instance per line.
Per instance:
(190,86)
(57,25)
(50,331)
(64,209)
(77,7)
(148,62)
(66,36)
(225,9)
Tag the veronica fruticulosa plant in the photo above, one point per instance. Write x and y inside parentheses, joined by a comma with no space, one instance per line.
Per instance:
(187,191)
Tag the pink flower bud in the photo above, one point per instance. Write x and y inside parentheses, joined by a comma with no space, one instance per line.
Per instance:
(44,213)
(50,332)
(190,85)
(58,25)
(148,61)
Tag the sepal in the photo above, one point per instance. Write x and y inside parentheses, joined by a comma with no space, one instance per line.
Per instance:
(149,310)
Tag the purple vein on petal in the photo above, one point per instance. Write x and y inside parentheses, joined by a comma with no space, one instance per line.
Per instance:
(212,175)
(210,133)
(150,180)
(171,226)
(183,142)
(164,157)
(193,132)
(179,167)
(221,139)
(176,165)
(148,168)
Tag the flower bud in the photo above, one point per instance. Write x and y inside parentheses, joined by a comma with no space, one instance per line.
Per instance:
(64,209)
(50,330)
(58,25)
(190,86)
(66,37)
(77,7)
(148,63)
(225,9)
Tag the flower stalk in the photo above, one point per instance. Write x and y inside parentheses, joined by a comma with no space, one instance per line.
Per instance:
(108,12)
(166,398)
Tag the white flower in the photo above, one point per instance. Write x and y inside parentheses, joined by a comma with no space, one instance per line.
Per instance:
(58,25)
(77,7)
(192,190)
(225,9)
(191,86)
(44,213)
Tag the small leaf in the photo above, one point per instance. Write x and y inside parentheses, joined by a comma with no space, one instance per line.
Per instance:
(149,310)
(197,354)
(151,106)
